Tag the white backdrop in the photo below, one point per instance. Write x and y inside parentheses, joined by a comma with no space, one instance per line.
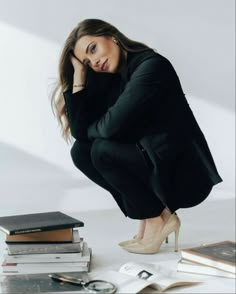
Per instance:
(197,36)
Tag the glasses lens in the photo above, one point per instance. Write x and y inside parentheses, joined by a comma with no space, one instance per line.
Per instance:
(100,286)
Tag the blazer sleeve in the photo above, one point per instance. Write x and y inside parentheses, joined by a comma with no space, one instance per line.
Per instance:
(86,106)
(141,92)
(77,114)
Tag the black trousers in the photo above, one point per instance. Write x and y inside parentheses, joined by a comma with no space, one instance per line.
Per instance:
(120,169)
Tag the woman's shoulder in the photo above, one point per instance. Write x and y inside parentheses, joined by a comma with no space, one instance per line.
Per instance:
(135,58)
(147,60)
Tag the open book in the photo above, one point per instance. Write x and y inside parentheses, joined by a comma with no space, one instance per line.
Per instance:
(130,278)
(144,277)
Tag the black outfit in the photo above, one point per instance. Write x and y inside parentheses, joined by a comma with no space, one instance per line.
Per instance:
(137,137)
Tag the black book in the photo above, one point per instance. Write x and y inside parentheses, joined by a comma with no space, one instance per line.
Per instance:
(37,222)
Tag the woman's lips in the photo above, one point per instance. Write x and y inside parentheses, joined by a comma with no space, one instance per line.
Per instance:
(105,65)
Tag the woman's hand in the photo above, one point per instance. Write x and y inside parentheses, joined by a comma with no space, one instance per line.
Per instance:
(78,66)
(80,72)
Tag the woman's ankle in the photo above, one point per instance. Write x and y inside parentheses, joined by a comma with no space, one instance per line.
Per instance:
(141,230)
(166,213)
(153,227)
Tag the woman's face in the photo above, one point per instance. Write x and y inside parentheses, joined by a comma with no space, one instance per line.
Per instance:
(101,53)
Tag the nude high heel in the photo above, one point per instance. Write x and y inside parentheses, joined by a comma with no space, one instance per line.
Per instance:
(132,241)
(172,225)
(128,242)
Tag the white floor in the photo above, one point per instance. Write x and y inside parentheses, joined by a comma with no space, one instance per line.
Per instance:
(211,221)
(30,184)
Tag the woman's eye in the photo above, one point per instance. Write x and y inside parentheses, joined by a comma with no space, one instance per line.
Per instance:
(93,48)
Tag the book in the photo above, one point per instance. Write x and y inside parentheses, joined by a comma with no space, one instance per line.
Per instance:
(75,246)
(27,268)
(82,264)
(85,255)
(55,236)
(219,255)
(37,222)
(38,283)
(197,268)
(139,277)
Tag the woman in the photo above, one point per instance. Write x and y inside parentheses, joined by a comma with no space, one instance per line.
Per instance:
(136,135)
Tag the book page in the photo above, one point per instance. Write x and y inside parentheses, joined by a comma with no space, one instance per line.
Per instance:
(123,282)
(161,277)
(143,278)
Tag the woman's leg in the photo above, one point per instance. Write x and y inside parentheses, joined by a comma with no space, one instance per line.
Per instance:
(81,157)
(123,167)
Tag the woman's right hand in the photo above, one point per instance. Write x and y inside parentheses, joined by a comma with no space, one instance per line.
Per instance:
(78,66)
(80,72)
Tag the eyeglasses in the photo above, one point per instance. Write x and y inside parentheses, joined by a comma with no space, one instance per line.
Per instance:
(93,286)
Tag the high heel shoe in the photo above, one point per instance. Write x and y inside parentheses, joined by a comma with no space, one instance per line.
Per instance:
(129,242)
(132,241)
(172,225)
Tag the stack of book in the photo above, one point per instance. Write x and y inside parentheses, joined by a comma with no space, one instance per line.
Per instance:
(44,243)
(216,259)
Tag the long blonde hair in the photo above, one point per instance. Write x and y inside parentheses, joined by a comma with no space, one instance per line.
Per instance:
(92,27)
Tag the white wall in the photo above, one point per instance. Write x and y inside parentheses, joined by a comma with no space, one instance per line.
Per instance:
(197,36)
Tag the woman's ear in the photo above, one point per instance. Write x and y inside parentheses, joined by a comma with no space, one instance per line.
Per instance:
(114,40)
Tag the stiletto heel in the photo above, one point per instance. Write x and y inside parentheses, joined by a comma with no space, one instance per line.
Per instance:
(172,225)
(167,240)
(176,240)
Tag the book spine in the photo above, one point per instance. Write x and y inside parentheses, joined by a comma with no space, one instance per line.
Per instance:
(41,265)
(41,229)
(15,270)
(44,250)
(37,242)
(79,258)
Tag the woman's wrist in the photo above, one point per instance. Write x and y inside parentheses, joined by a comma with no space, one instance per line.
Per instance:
(79,75)
(77,88)
(78,81)
(78,85)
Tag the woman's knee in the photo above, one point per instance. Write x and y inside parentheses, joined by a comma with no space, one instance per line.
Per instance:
(100,149)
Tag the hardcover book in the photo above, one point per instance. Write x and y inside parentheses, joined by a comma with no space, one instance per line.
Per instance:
(50,267)
(84,255)
(37,283)
(37,222)
(42,264)
(55,236)
(45,248)
(219,255)
(197,268)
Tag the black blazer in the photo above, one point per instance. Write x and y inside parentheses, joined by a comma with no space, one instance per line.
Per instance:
(145,104)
